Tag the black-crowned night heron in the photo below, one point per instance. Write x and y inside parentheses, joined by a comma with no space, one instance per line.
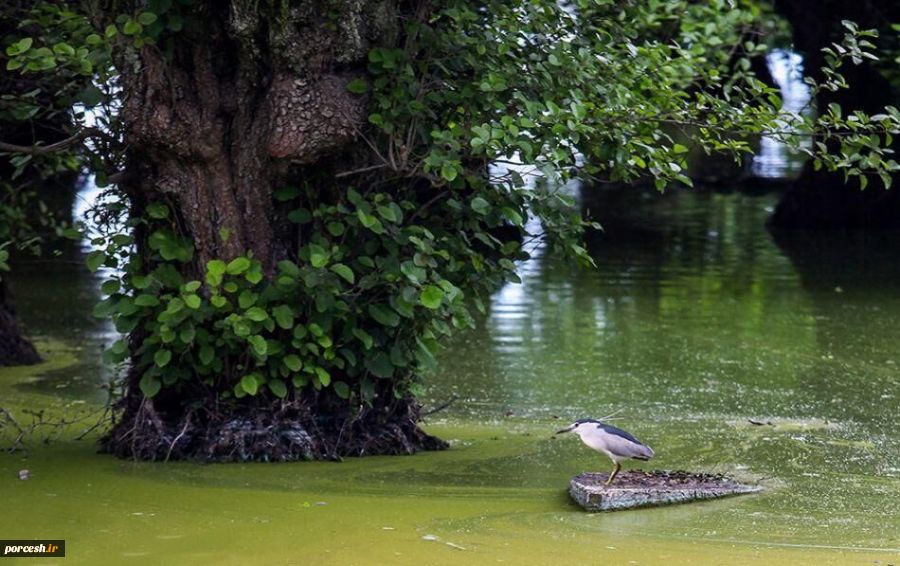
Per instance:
(612,441)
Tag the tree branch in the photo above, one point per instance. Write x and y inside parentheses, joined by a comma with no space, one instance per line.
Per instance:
(52,148)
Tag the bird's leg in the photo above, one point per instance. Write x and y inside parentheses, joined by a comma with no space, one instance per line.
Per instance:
(615,471)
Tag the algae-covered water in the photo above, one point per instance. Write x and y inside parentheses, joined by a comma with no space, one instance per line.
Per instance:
(695,323)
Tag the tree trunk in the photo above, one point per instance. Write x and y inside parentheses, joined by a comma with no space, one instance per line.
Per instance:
(14,349)
(256,100)
(821,199)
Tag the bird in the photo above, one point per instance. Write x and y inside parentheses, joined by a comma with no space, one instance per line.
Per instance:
(612,441)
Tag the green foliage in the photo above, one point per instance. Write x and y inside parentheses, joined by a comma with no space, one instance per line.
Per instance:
(369,303)
(599,89)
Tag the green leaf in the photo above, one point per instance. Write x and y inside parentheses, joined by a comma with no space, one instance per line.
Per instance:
(20,47)
(300,216)
(480,205)
(249,384)
(318,257)
(364,337)
(358,86)
(345,272)
(289,268)
(158,210)
(324,376)
(147,18)
(258,343)
(278,388)
(132,27)
(384,315)
(206,354)
(145,300)
(247,299)
(414,273)
(341,389)
(187,334)
(63,48)
(449,171)
(254,276)
(284,316)
(192,301)
(108,287)
(150,385)
(95,260)
(256,314)
(237,266)
(387,213)
(335,228)
(380,365)
(513,216)
(215,270)
(162,357)
(293,362)
(286,193)
(431,296)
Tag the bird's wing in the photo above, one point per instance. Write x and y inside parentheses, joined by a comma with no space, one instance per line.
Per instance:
(625,444)
(616,431)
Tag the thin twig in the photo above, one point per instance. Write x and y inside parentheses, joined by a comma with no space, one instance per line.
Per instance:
(187,423)
(53,147)
(441,407)
(360,170)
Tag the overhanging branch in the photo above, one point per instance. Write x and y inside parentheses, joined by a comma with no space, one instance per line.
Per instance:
(61,145)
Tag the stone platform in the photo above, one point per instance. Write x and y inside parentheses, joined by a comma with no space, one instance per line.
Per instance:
(637,488)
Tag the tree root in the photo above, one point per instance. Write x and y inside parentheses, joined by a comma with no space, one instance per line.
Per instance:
(285,432)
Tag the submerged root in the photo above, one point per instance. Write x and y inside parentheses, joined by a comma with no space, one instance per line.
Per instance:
(285,432)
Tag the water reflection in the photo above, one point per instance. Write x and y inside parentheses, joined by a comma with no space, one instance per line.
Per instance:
(54,298)
(774,160)
(688,302)
(695,322)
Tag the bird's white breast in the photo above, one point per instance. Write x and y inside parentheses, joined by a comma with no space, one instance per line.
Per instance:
(600,443)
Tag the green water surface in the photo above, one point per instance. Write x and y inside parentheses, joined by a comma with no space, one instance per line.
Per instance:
(695,323)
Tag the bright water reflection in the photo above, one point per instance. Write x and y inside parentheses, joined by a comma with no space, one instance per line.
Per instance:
(774,160)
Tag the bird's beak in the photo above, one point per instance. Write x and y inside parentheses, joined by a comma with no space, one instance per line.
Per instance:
(565,430)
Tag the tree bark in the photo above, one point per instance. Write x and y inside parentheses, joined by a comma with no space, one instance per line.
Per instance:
(217,125)
(257,99)
(821,199)
(15,350)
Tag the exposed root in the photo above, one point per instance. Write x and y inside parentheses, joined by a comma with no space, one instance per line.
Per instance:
(284,432)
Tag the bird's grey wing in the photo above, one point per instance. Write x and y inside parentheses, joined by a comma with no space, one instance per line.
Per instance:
(625,445)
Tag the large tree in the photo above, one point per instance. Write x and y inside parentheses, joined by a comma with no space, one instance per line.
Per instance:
(317,192)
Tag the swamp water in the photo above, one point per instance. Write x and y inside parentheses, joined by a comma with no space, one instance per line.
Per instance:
(695,323)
